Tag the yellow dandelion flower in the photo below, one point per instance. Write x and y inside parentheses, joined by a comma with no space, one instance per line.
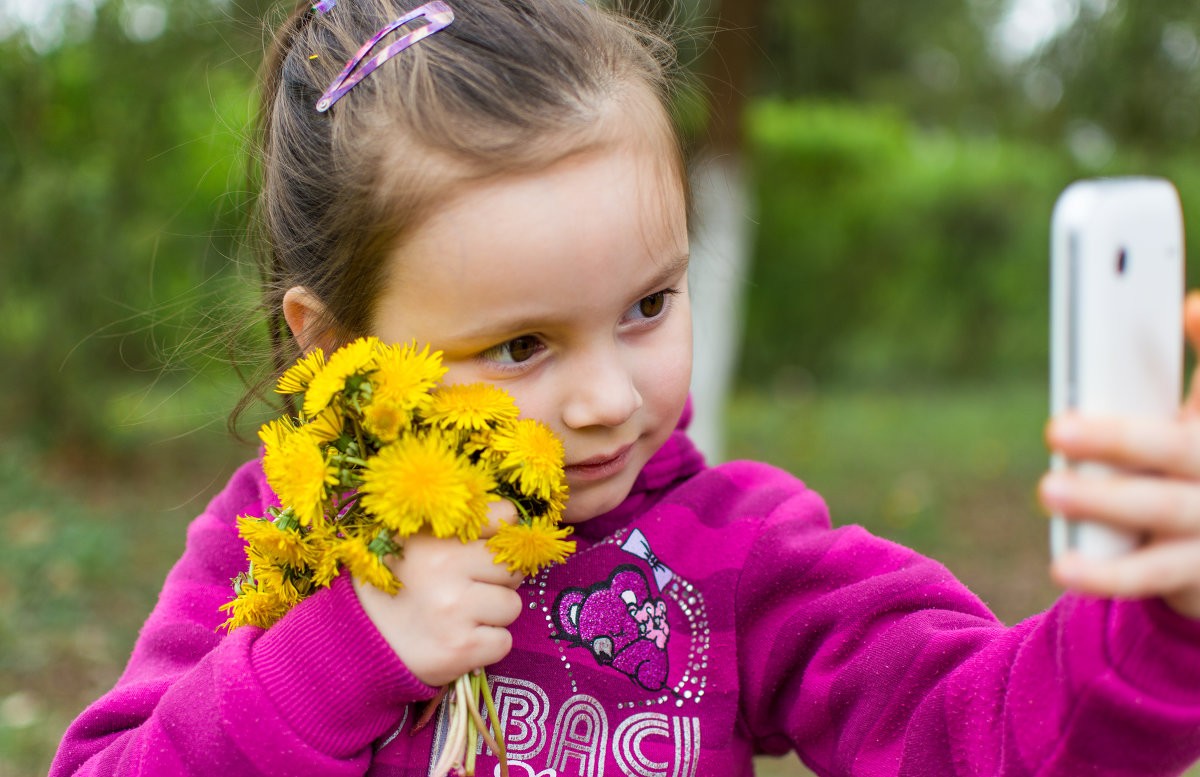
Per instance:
(268,576)
(531,458)
(298,471)
(480,444)
(357,357)
(254,607)
(482,488)
(325,568)
(366,565)
(287,592)
(296,378)
(384,418)
(528,547)
(275,577)
(283,546)
(405,376)
(327,426)
(274,433)
(552,507)
(421,480)
(470,407)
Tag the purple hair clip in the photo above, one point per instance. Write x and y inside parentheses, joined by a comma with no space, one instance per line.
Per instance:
(324,6)
(437,16)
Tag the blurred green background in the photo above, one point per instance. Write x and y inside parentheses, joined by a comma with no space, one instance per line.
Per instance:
(905,155)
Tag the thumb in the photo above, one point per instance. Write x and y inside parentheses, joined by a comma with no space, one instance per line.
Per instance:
(1191,327)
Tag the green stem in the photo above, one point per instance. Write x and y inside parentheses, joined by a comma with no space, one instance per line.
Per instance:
(362,448)
(287,520)
(498,745)
(526,518)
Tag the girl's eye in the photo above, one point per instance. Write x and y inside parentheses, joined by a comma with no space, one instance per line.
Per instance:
(515,351)
(651,306)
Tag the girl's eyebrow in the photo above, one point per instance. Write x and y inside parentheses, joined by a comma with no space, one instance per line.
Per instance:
(666,273)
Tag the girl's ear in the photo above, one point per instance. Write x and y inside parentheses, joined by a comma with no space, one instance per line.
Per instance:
(306,317)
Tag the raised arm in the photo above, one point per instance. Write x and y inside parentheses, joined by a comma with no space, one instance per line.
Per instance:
(867,658)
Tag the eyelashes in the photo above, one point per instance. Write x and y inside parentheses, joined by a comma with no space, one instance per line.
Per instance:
(655,305)
(515,351)
(515,354)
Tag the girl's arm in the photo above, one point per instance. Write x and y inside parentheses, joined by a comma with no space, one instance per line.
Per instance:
(308,696)
(867,658)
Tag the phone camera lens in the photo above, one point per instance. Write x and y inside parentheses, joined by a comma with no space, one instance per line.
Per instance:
(1122,261)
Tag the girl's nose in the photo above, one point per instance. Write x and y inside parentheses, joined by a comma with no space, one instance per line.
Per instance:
(601,394)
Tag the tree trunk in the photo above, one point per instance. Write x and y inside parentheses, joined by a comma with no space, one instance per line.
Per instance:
(723,234)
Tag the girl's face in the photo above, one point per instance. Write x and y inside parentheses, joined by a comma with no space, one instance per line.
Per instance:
(567,287)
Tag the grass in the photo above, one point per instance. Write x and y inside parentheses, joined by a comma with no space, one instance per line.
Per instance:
(950,472)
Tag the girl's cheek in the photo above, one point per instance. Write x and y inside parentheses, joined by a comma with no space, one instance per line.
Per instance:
(535,401)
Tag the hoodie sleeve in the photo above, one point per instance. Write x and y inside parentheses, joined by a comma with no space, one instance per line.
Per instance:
(307,696)
(869,659)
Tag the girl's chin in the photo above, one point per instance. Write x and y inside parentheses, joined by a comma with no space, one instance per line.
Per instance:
(588,506)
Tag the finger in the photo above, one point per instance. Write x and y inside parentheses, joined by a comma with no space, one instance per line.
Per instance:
(1168,446)
(434,558)
(473,648)
(494,605)
(499,513)
(1191,326)
(1155,570)
(1135,502)
(476,561)
(492,643)
(488,570)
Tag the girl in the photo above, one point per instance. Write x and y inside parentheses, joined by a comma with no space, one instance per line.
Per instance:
(510,190)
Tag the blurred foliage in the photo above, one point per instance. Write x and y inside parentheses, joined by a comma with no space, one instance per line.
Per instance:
(123,189)
(886,253)
(1125,74)
(934,59)
(906,169)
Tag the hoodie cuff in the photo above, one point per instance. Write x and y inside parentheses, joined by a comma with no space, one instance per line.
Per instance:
(331,675)
(1164,655)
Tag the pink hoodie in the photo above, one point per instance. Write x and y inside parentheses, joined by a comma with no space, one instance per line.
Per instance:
(715,614)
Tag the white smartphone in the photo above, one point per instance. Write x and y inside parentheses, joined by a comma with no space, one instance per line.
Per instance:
(1116,341)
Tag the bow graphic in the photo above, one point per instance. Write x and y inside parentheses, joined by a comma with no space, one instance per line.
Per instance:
(637,545)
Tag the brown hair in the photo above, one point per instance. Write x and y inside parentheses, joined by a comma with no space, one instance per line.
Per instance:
(510,85)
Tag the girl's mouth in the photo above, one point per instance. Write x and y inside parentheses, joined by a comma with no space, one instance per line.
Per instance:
(600,467)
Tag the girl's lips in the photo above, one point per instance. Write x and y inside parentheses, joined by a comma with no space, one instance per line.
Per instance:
(600,467)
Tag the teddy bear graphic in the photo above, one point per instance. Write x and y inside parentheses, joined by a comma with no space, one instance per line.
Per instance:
(620,624)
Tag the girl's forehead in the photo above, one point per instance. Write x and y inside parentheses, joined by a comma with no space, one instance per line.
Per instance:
(585,233)
(622,199)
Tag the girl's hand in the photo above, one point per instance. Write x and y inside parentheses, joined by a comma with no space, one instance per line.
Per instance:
(1157,496)
(452,613)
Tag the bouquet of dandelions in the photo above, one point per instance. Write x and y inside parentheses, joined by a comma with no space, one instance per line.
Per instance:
(379,452)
